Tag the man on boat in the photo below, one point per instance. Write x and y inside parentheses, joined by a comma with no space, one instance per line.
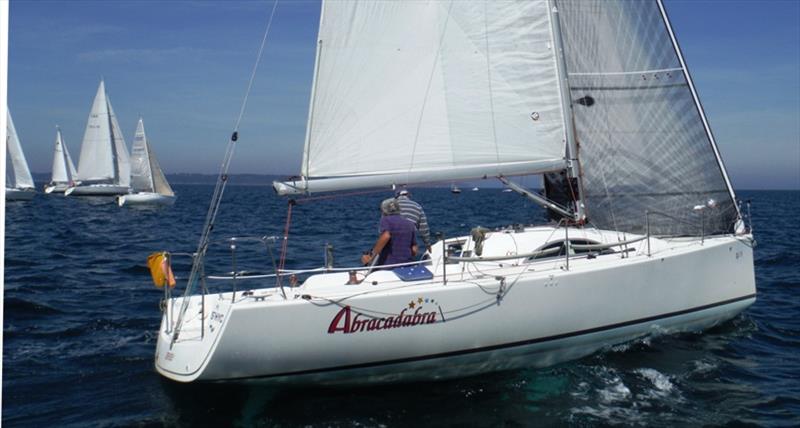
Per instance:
(414,212)
(397,242)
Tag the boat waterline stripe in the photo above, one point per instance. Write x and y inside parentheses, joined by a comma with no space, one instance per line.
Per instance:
(503,345)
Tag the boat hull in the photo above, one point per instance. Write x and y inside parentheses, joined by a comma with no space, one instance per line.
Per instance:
(144,198)
(19,194)
(534,319)
(97,190)
(56,188)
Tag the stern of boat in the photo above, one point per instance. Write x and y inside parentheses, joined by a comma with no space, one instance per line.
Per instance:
(182,355)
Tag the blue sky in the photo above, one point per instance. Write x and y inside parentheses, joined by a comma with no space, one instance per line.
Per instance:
(184,65)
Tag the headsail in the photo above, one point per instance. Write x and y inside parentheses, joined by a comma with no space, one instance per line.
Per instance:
(21,179)
(419,91)
(644,142)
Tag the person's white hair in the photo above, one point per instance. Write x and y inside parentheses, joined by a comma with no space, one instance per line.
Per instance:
(390,206)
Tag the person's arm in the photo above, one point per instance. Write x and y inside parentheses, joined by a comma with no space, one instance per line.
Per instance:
(424,230)
(383,239)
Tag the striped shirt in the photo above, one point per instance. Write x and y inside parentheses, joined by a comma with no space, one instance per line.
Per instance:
(414,212)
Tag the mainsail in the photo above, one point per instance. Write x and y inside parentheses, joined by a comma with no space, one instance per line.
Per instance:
(21,179)
(146,174)
(645,144)
(104,156)
(416,91)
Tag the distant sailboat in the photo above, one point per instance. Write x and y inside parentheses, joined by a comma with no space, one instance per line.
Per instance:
(104,168)
(64,173)
(475,189)
(454,189)
(19,185)
(147,179)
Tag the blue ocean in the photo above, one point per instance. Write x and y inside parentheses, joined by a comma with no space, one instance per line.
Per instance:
(81,315)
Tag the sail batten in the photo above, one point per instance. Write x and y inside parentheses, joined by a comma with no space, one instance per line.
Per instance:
(473,86)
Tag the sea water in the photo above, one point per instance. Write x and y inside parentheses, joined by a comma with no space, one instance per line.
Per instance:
(81,315)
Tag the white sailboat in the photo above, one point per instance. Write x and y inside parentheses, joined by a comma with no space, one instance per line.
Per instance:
(650,241)
(19,184)
(150,186)
(104,168)
(454,189)
(64,173)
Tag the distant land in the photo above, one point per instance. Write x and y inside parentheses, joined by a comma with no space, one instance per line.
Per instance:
(267,179)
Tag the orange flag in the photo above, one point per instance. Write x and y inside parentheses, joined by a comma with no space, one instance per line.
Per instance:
(160,270)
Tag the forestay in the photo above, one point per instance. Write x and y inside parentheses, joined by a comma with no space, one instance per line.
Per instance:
(644,142)
(419,91)
(21,179)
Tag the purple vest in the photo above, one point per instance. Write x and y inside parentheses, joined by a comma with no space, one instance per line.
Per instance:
(403,233)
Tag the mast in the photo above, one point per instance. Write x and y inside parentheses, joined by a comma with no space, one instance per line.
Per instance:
(573,164)
(307,145)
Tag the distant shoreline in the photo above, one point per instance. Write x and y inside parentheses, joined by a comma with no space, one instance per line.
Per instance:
(267,179)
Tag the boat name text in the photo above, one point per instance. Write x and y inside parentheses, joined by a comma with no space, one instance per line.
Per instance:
(344,322)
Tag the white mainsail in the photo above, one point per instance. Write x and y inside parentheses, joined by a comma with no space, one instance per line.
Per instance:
(63,169)
(146,174)
(21,179)
(472,91)
(104,156)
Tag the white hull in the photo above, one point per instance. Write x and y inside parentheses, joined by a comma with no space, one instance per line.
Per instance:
(97,190)
(56,188)
(19,194)
(145,198)
(543,315)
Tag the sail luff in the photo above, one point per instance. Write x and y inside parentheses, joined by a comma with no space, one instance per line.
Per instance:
(699,105)
(22,178)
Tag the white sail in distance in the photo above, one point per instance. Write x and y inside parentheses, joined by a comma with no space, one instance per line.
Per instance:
(146,173)
(63,169)
(21,178)
(418,91)
(104,156)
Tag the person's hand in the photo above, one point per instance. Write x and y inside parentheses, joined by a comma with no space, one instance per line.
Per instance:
(366,258)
